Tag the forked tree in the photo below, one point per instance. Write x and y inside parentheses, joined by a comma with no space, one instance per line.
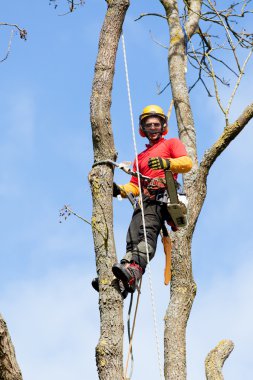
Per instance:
(193,27)
(192,43)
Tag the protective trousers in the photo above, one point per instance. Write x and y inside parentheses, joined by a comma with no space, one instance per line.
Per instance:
(155,215)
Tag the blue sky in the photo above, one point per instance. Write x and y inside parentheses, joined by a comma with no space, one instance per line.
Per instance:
(46,155)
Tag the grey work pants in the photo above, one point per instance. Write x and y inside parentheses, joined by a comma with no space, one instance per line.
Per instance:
(155,215)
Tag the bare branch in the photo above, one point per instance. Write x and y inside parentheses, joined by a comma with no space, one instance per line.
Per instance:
(215,85)
(9,369)
(223,63)
(227,33)
(22,32)
(194,11)
(150,14)
(71,3)
(237,84)
(168,5)
(230,132)
(159,92)
(66,211)
(216,358)
(202,66)
(157,42)
(225,17)
(9,47)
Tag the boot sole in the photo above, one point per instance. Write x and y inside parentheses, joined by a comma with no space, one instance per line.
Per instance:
(122,275)
(95,285)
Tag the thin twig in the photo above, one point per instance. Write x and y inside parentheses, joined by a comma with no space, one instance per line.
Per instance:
(22,32)
(164,88)
(215,84)
(78,216)
(223,63)
(230,41)
(150,14)
(237,85)
(9,47)
(157,42)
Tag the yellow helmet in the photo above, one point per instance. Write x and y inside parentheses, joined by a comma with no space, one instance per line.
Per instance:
(153,110)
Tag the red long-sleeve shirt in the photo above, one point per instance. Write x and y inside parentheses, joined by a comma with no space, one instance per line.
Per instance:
(171,148)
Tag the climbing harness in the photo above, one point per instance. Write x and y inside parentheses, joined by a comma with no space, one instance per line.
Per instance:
(176,204)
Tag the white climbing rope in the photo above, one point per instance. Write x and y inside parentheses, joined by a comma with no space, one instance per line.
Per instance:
(142,210)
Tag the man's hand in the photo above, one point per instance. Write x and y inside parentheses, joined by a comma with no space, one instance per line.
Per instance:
(115,190)
(158,163)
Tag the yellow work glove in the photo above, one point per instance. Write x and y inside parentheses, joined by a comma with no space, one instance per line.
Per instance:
(158,163)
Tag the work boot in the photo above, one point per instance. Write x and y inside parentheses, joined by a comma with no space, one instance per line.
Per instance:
(129,274)
(123,291)
(95,284)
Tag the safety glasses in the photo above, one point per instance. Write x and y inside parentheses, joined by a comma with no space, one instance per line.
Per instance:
(150,125)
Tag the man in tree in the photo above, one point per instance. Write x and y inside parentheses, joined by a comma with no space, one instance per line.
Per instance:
(160,154)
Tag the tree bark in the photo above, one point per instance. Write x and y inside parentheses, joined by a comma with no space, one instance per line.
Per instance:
(216,358)
(9,369)
(109,350)
(183,287)
(183,290)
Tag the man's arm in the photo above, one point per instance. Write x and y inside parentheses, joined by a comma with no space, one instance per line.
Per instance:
(181,164)
(177,160)
(124,189)
(130,187)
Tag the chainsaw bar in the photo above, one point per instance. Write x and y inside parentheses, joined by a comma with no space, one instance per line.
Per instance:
(176,209)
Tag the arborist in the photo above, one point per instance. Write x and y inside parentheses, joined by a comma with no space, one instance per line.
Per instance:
(160,154)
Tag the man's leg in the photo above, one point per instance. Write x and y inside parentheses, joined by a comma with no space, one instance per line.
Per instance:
(136,246)
(134,262)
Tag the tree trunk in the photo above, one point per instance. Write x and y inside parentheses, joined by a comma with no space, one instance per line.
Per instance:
(183,290)
(183,287)
(216,358)
(9,369)
(109,350)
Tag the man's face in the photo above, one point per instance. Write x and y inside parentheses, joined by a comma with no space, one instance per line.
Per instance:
(153,127)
